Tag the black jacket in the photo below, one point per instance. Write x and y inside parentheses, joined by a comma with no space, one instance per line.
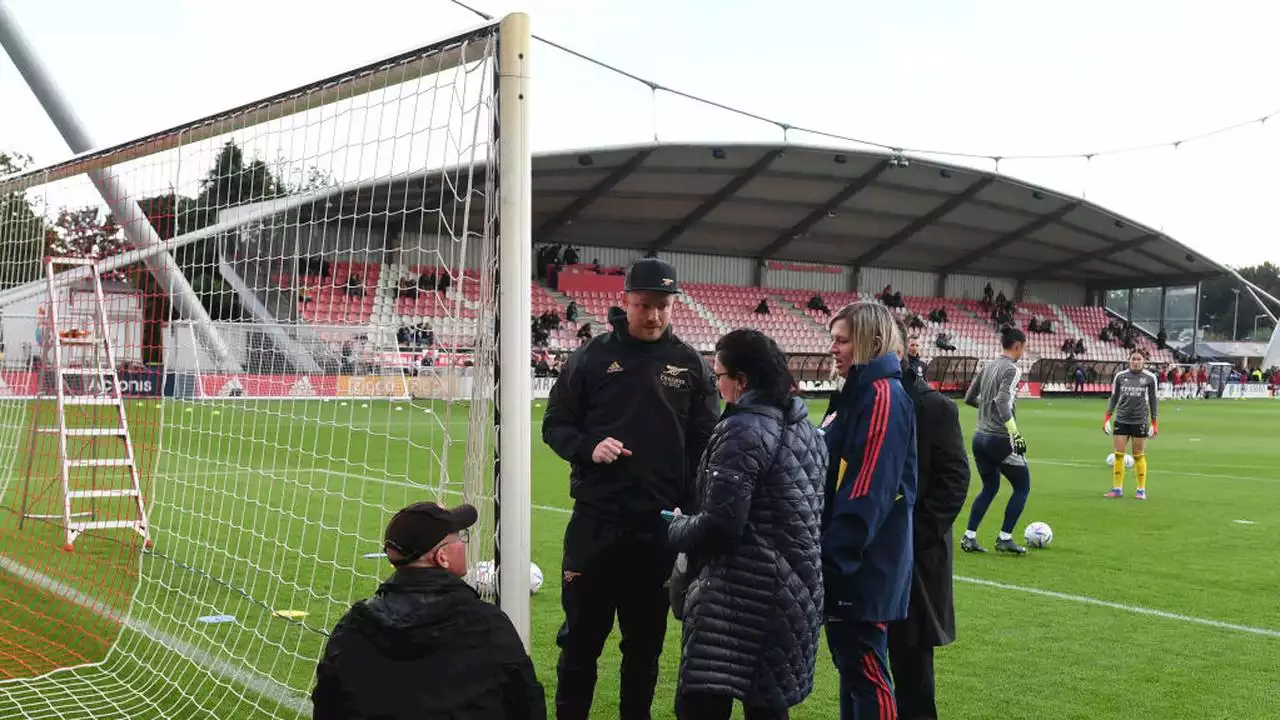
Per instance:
(940,495)
(754,612)
(426,647)
(658,398)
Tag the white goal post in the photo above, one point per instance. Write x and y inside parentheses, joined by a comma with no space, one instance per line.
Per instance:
(320,300)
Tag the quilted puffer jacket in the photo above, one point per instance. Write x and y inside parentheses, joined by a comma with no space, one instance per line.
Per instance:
(753,613)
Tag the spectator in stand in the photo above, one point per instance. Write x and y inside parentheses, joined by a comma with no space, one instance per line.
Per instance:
(426,645)
(817,304)
(1162,339)
(1034,325)
(355,286)
(988,296)
(584,333)
(914,364)
(1068,347)
(938,315)
(762,308)
(1001,300)
(540,334)
(571,256)
(409,285)
(943,342)
(571,312)
(914,322)
(1080,349)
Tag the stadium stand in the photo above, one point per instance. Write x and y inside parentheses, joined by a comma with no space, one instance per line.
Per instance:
(708,310)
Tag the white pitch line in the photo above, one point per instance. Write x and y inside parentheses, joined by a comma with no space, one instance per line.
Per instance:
(228,670)
(1135,609)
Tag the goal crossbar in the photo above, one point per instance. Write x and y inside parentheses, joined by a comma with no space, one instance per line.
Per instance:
(446,53)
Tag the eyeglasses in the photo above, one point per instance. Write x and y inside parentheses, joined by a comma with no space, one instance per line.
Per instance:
(464,537)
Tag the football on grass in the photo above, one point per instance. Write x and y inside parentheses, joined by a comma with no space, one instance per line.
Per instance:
(1038,535)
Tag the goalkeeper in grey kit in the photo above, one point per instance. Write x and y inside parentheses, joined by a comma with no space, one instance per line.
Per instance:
(1133,405)
(998,447)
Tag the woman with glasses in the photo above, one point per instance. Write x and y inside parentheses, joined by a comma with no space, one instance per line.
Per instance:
(752,613)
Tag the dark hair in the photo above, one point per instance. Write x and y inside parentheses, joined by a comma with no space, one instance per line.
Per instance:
(755,356)
(1011,335)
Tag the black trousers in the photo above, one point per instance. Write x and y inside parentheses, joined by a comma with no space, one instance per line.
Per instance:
(701,706)
(610,571)
(913,683)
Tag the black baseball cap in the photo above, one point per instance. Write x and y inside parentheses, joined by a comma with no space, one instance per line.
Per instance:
(415,530)
(654,275)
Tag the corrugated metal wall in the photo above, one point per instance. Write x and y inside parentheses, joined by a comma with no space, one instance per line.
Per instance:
(1057,293)
(693,268)
(971,286)
(803,276)
(429,250)
(907,282)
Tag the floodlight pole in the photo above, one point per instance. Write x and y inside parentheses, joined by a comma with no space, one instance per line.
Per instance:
(141,234)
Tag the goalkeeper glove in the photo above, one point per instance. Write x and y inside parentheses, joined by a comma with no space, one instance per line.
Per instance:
(1106,424)
(1019,445)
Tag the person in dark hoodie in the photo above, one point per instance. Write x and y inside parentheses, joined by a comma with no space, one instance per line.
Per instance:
(426,647)
(631,412)
(943,483)
(870,429)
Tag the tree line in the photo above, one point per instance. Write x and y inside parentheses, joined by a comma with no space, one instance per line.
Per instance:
(92,231)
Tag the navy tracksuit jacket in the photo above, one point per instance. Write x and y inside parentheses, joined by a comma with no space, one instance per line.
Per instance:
(870,431)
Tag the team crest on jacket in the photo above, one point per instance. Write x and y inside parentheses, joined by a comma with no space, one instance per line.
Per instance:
(674,377)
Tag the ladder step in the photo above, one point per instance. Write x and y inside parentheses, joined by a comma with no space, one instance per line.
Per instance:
(90,400)
(99,462)
(86,432)
(118,492)
(104,524)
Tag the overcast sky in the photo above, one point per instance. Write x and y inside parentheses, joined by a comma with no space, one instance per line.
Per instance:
(995,77)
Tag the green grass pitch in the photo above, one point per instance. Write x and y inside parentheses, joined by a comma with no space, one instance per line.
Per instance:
(1160,609)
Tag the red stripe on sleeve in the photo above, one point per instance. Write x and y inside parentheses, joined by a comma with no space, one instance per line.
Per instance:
(876,432)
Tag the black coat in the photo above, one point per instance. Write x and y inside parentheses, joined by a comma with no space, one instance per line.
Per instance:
(426,647)
(658,398)
(940,495)
(754,612)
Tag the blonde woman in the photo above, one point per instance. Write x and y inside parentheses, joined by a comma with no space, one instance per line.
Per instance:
(870,432)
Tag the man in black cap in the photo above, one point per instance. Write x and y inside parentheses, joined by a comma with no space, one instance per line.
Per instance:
(426,645)
(631,412)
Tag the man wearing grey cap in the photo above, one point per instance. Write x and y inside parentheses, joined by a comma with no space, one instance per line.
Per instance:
(631,412)
(426,645)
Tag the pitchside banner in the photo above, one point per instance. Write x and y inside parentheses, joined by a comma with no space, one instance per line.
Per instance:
(153,383)
(132,384)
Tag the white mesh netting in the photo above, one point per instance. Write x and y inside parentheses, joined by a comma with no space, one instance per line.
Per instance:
(315,351)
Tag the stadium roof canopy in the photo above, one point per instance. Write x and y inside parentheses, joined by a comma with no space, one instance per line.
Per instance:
(825,205)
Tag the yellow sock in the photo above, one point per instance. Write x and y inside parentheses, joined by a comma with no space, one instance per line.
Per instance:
(1140,465)
(1117,472)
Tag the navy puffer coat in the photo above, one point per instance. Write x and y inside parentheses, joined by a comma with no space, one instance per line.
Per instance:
(754,612)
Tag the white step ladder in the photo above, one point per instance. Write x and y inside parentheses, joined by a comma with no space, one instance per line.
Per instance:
(85,354)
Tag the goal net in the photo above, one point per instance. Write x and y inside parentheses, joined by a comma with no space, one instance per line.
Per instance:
(306,299)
